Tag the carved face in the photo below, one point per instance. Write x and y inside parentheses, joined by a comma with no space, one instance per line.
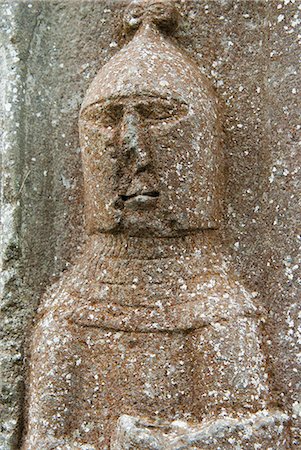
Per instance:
(144,158)
(148,131)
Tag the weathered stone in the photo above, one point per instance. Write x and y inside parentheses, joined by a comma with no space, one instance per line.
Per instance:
(249,50)
(261,430)
(151,320)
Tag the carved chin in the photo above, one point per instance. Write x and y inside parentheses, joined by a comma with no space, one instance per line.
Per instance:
(137,225)
(143,217)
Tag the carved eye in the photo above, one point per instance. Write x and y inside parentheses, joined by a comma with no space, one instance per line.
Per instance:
(161,111)
(111,117)
(106,117)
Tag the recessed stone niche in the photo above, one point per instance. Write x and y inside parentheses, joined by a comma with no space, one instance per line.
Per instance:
(150,225)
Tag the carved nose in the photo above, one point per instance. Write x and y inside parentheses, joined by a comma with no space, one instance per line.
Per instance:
(133,142)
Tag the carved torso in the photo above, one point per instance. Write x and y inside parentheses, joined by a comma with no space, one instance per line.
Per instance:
(149,341)
(140,284)
(133,328)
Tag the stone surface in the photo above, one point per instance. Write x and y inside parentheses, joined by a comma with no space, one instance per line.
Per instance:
(261,430)
(250,51)
(148,327)
(150,321)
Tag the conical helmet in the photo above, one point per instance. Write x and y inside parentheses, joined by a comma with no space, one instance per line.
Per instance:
(149,133)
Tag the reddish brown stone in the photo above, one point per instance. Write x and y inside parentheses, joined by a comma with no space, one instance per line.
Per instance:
(150,341)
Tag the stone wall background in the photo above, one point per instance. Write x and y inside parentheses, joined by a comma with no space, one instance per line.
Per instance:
(50,52)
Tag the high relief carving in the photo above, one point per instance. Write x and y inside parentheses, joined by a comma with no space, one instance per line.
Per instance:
(149,341)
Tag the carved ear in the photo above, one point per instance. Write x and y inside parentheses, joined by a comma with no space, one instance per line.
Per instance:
(163,13)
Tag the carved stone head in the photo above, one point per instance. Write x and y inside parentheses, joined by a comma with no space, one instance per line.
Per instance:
(149,133)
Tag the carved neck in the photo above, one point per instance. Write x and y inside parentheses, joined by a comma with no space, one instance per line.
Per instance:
(206,242)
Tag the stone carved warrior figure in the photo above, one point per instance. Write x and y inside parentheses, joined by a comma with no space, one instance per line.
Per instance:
(149,341)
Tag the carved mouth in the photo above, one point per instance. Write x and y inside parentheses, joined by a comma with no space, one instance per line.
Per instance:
(150,194)
(143,200)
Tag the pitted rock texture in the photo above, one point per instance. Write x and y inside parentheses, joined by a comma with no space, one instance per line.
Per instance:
(148,327)
(152,137)
(150,322)
(52,51)
(261,430)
